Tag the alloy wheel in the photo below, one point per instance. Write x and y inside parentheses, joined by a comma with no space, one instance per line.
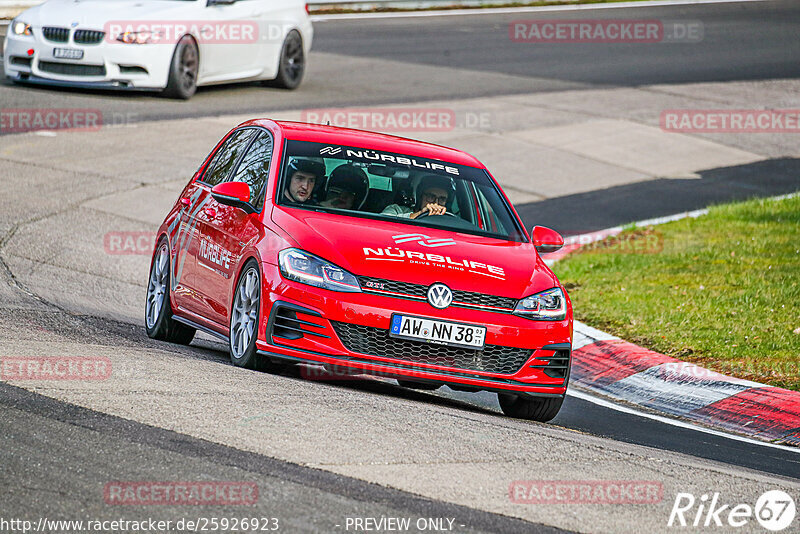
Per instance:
(157,286)
(244,318)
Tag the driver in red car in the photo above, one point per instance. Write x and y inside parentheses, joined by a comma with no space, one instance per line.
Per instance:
(304,174)
(433,195)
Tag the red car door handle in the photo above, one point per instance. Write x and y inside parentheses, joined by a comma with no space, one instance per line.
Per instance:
(211,212)
(186,202)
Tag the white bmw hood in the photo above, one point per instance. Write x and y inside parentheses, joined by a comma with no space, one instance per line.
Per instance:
(94,14)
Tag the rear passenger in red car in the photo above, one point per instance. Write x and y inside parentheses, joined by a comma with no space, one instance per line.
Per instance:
(346,189)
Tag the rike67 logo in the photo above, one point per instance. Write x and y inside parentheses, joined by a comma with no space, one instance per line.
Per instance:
(774,511)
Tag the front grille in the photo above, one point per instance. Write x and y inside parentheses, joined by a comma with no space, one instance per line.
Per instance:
(88,36)
(376,342)
(57,35)
(484,300)
(72,69)
(416,290)
(420,291)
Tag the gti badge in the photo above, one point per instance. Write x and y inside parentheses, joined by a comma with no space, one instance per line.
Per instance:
(439,296)
(330,150)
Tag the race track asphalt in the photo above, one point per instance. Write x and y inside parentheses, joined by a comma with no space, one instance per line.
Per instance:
(368,62)
(61,444)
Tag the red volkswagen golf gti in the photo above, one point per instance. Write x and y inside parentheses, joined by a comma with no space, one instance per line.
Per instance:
(365,252)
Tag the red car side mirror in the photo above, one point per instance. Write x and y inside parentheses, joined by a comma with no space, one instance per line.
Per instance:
(546,240)
(236,194)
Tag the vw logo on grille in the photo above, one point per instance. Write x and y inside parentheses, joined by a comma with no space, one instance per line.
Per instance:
(439,296)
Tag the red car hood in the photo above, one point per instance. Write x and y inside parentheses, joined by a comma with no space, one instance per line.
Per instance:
(416,254)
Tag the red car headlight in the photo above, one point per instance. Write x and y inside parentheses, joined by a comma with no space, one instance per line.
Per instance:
(301,266)
(549,305)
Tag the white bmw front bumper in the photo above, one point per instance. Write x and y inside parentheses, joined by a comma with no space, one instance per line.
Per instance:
(105,64)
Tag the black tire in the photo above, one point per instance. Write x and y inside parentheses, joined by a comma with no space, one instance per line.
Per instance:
(183,70)
(246,306)
(540,409)
(291,64)
(427,386)
(158,321)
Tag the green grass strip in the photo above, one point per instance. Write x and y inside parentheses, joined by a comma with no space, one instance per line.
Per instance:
(722,290)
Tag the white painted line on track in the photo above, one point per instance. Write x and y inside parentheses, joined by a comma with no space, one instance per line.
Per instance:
(590,333)
(670,218)
(529,9)
(675,422)
(488,401)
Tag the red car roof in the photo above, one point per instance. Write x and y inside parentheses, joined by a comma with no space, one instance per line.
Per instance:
(301,131)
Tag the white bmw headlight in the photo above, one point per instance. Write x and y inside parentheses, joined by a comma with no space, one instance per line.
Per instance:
(300,266)
(143,37)
(21,28)
(550,305)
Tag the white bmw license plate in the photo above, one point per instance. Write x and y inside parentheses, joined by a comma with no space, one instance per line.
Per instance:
(441,332)
(68,53)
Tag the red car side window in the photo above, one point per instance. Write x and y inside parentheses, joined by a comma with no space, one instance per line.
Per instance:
(226,157)
(254,168)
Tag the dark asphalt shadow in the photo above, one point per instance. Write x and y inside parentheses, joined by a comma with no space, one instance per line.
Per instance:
(579,414)
(753,41)
(606,208)
(43,480)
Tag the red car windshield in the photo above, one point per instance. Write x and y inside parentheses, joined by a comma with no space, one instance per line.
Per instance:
(361,182)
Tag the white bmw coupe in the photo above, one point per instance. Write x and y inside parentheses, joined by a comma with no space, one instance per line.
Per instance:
(168,45)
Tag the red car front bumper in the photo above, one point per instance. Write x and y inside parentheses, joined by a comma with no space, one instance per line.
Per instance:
(350,331)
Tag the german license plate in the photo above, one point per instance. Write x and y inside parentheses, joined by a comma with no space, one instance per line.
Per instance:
(67,53)
(440,332)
